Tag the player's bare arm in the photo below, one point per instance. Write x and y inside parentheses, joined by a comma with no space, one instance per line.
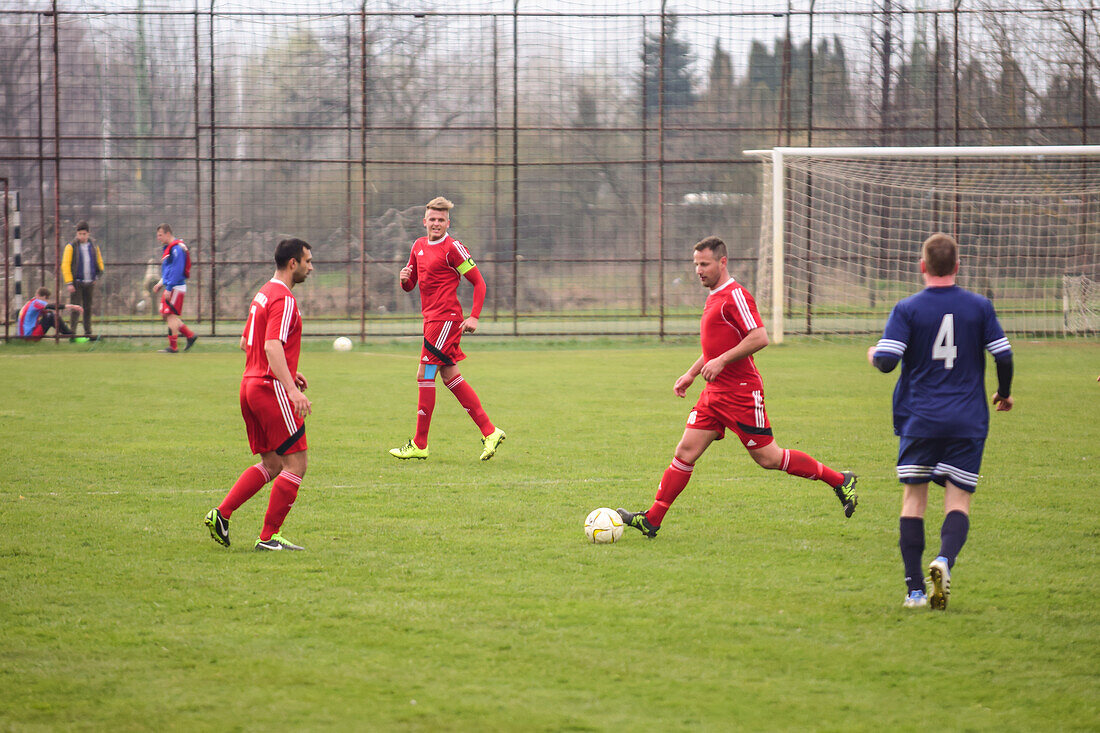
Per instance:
(754,341)
(276,359)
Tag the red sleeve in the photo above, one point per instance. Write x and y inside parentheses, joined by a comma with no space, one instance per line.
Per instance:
(281,313)
(740,310)
(475,278)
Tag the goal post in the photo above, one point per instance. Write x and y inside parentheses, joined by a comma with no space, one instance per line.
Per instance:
(842,227)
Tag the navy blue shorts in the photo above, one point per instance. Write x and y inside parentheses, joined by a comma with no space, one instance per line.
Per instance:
(921,460)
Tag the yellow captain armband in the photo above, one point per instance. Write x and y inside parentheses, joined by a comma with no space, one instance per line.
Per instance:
(466,266)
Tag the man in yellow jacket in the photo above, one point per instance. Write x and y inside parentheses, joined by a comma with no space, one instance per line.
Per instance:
(81,266)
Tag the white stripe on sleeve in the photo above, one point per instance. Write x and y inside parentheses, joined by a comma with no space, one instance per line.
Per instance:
(288,317)
(890,346)
(744,311)
(998,346)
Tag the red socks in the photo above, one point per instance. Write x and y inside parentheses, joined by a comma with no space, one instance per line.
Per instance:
(187,332)
(173,341)
(425,403)
(283,493)
(797,463)
(251,481)
(468,399)
(673,482)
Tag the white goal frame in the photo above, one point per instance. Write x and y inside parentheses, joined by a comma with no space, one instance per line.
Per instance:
(778,156)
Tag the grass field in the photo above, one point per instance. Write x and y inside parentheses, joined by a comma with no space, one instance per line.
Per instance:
(458,595)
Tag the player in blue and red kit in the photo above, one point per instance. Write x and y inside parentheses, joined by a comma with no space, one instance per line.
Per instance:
(731,331)
(175,268)
(940,336)
(37,316)
(272,401)
(436,263)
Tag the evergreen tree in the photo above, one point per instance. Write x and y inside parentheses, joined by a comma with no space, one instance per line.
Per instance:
(677,80)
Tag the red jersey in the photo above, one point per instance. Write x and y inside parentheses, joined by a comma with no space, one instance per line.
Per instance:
(273,314)
(728,316)
(437,267)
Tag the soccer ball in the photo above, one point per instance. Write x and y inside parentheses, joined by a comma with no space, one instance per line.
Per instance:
(603,526)
(342,344)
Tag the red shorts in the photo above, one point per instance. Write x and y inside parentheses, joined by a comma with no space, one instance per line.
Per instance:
(269,418)
(441,343)
(741,412)
(171,303)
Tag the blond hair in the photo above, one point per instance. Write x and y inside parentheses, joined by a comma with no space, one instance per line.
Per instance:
(439,204)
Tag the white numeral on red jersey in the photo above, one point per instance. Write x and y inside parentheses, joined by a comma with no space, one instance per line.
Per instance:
(251,322)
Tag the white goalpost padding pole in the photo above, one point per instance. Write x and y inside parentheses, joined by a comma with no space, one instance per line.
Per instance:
(778,191)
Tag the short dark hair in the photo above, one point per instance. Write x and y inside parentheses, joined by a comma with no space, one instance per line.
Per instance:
(82,226)
(714,244)
(940,253)
(164,228)
(289,249)
(43,293)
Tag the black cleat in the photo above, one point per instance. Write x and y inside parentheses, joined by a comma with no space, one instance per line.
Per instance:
(638,521)
(219,527)
(846,492)
(190,342)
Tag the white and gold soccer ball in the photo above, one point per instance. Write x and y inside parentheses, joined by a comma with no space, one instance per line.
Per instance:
(603,526)
(342,344)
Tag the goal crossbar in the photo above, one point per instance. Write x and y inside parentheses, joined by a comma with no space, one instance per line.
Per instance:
(974,151)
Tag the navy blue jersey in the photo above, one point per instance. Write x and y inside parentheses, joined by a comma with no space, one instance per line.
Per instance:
(941,335)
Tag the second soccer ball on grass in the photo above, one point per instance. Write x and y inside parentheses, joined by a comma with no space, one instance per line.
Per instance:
(603,526)
(342,344)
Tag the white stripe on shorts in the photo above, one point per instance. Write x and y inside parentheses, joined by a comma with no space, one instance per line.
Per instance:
(284,407)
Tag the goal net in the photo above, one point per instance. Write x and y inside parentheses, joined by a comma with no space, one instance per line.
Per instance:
(842,230)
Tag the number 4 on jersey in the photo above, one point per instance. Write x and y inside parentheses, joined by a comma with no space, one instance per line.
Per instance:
(944,346)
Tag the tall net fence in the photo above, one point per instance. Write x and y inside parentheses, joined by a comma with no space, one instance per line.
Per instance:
(587,145)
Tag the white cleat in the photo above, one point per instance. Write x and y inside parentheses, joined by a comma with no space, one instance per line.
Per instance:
(939,581)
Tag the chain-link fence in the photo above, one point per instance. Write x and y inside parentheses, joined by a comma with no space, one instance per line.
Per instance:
(587,145)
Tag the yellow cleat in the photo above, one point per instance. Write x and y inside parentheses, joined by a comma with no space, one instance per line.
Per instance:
(409,450)
(492,441)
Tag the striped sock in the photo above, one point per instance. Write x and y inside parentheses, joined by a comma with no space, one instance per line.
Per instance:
(469,401)
(283,493)
(797,463)
(676,477)
(250,481)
